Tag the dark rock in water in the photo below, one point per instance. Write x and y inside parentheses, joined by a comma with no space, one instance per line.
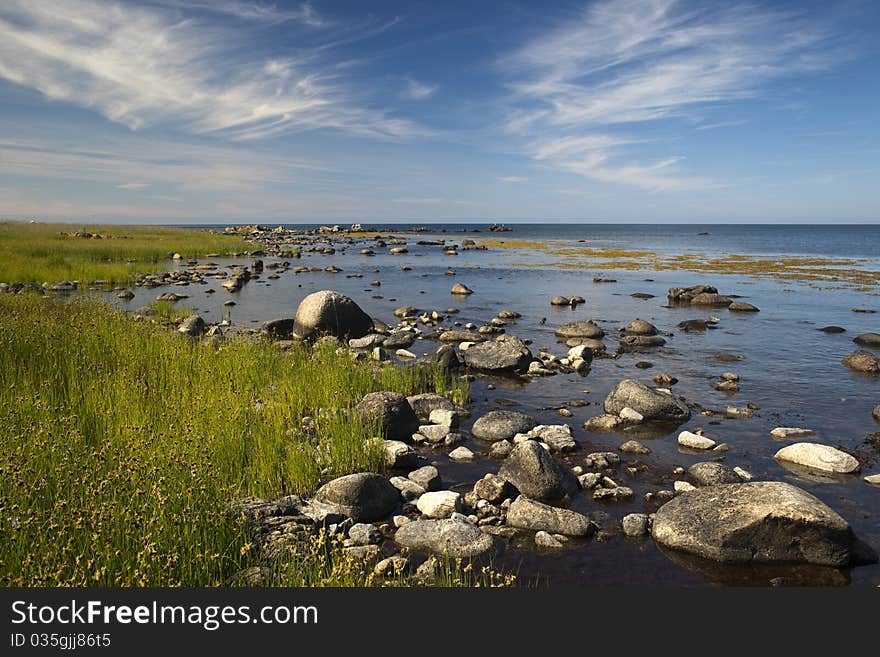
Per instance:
(580,329)
(537,474)
(560,301)
(192,326)
(742,307)
(331,313)
(641,295)
(505,354)
(406,311)
(639,342)
(862,361)
(864,310)
(640,327)
(502,425)
(399,340)
(426,402)
(709,473)
(710,299)
(392,412)
(462,336)
(833,329)
(460,289)
(452,537)
(363,497)
(447,358)
(530,514)
(684,295)
(664,380)
(650,404)
(871,340)
(758,522)
(691,325)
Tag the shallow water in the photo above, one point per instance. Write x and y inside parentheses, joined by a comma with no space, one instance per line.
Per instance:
(790,370)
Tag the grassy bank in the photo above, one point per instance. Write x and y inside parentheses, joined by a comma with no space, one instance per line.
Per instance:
(121,443)
(38,253)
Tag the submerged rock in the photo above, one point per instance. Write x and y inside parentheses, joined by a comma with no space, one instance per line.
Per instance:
(758,522)
(331,313)
(650,404)
(790,433)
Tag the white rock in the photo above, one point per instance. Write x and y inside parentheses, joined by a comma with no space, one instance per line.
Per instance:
(577,353)
(400,521)
(403,353)
(818,457)
(434,433)
(873,479)
(439,504)
(790,433)
(681,486)
(692,440)
(745,475)
(444,417)
(464,346)
(630,415)
(461,454)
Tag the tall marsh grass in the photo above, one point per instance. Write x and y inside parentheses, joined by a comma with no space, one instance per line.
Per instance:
(39,253)
(121,443)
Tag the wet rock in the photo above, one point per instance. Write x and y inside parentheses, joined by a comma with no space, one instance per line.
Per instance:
(451,537)
(651,404)
(695,441)
(427,477)
(693,325)
(818,457)
(664,380)
(615,494)
(791,433)
(502,425)
(635,525)
(742,307)
(862,361)
(192,326)
(525,513)
(874,480)
(331,313)
(871,340)
(758,522)
(439,504)
(640,327)
(634,447)
(639,342)
(548,541)
(424,404)
(460,289)
(710,299)
(833,329)
(392,412)
(505,354)
(580,329)
(399,455)
(710,473)
(536,474)
(363,497)
(686,295)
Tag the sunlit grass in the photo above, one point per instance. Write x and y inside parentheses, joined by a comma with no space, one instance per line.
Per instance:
(121,443)
(39,253)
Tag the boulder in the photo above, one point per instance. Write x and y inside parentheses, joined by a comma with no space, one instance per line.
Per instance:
(363,497)
(370,341)
(278,329)
(460,289)
(399,340)
(424,404)
(399,455)
(428,477)
(557,436)
(536,474)
(791,433)
(695,441)
(684,295)
(862,361)
(580,329)
(710,473)
(392,412)
(452,537)
(639,342)
(756,522)
(818,457)
(505,354)
(635,525)
(330,313)
(502,425)
(742,307)
(439,504)
(640,327)
(650,404)
(868,340)
(192,326)
(525,513)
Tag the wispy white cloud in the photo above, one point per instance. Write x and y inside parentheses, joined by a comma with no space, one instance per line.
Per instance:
(513,180)
(416,90)
(141,65)
(433,200)
(135,186)
(624,62)
(253,11)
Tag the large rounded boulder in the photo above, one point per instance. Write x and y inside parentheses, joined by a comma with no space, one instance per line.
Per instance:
(651,404)
(330,313)
(536,474)
(448,537)
(862,361)
(502,425)
(580,329)
(392,412)
(363,497)
(506,354)
(757,522)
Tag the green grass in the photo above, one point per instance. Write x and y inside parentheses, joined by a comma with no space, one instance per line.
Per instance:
(121,444)
(39,253)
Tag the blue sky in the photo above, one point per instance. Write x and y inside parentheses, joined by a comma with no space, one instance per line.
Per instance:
(612,110)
